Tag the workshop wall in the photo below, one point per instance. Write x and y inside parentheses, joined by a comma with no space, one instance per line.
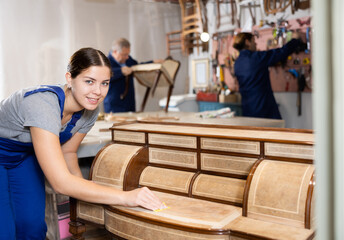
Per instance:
(284,83)
(36,42)
(37,37)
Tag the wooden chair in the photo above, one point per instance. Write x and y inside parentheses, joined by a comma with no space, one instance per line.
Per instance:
(250,5)
(218,12)
(155,75)
(193,24)
(275,6)
(173,41)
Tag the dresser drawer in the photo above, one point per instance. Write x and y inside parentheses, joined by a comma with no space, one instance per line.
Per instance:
(173,157)
(237,146)
(220,188)
(124,136)
(90,212)
(227,164)
(172,140)
(167,179)
(289,150)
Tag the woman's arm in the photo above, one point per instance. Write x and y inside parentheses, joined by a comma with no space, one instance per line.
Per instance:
(69,150)
(273,56)
(50,157)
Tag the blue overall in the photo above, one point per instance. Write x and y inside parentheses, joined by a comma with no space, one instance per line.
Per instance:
(252,72)
(22,189)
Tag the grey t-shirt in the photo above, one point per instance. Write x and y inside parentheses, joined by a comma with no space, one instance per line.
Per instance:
(40,110)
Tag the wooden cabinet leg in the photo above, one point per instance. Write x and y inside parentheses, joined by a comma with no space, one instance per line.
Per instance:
(77,229)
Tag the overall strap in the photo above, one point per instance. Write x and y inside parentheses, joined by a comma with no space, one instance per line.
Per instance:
(67,134)
(55,89)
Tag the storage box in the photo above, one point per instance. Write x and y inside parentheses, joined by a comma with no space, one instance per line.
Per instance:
(231,98)
(64,226)
(207,97)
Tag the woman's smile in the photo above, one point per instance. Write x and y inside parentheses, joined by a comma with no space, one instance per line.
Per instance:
(93,100)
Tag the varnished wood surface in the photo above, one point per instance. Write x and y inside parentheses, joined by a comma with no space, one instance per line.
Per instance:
(229,133)
(191,118)
(263,137)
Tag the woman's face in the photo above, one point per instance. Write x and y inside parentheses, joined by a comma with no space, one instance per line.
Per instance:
(90,87)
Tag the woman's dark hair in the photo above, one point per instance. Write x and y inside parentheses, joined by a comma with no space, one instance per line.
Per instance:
(85,58)
(240,39)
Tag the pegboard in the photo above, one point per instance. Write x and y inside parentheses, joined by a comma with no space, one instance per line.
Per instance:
(226,54)
(283,75)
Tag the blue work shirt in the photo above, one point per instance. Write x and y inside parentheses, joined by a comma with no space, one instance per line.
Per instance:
(113,102)
(252,72)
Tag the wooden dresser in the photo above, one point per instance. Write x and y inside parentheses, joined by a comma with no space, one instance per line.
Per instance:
(219,182)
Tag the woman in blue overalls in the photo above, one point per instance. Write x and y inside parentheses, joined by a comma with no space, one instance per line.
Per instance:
(251,69)
(40,131)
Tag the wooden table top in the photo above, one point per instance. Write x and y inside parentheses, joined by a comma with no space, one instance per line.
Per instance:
(268,134)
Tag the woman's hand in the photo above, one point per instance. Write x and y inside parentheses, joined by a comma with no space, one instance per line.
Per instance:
(143,197)
(126,70)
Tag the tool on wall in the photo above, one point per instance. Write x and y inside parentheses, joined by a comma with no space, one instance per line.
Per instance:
(222,79)
(281,79)
(303,22)
(215,61)
(281,33)
(301,84)
(308,41)
(229,63)
(308,78)
(223,58)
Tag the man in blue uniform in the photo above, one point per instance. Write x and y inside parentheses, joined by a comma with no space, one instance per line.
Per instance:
(121,95)
(252,72)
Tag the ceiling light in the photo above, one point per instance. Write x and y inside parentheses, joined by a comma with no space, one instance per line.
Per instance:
(205,37)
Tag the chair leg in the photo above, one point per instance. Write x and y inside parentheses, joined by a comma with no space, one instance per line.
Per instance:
(145,99)
(156,81)
(168,97)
